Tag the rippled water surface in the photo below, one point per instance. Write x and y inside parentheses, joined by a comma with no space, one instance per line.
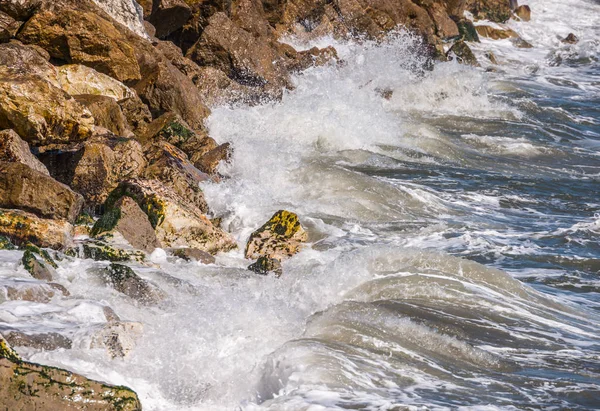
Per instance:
(454,253)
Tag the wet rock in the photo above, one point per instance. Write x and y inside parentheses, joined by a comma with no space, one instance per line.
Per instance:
(82,37)
(101,251)
(79,79)
(445,26)
(40,112)
(6,244)
(172,167)
(136,113)
(47,341)
(467,30)
(177,222)
(496,34)
(32,291)
(20,188)
(8,27)
(208,162)
(29,386)
(110,314)
(13,149)
(520,43)
(168,16)
(123,279)
(463,53)
(193,254)
(266,265)
(37,267)
(127,12)
(498,11)
(118,338)
(279,238)
(491,57)
(570,39)
(523,12)
(23,227)
(107,113)
(131,222)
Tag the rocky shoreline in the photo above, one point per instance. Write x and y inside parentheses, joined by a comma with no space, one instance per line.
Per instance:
(103,143)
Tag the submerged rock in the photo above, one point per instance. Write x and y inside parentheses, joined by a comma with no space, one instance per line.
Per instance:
(265,265)
(570,39)
(39,263)
(28,386)
(496,34)
(279,238)
(123,279)
(193,254)
(46,341)
(32,291)
(23,227)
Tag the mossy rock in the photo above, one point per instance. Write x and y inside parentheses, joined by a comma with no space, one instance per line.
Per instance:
(7,352)
(107,222)
(467,31)
(463,53)
(5,244)
(35,267)
(278,238)
(84,219)
(123,279)
(265,265)
(103,252)
(42,253)
(152,205)
(283,223)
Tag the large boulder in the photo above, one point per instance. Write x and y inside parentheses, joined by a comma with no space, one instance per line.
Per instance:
(279,238)
(28,386)
(82,37)
(24,188)
(498,11)
(14,149)
(106,112)
(177,222)
(20,9)
(17,59)
(168,16)
(80,79)
(23,227)
(8,27)
(127,12)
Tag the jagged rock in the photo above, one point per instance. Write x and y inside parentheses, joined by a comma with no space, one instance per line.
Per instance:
(136,113)
(118,338)
(123,279)
(168,16)
(17,59)
(131,222)
(279,238)
(40,112)
(8,27)
(101,251)
(496,34)
(23,227)
(172,167)
(80,79)
(82,37)
(463,53)
(127,12)
(107,113)
(523,12)
(47,341)
(208,162)
(15,150)
(32,291)
(467,30)
(177,222)
(498,11)
(266,265)
(570,39)
(19,9)
(193,254)
(28,386)
(445,26)
(38,268)
(20,188)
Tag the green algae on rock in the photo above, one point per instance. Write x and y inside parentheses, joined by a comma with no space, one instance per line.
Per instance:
(101,251)
(22,227)
(123,279)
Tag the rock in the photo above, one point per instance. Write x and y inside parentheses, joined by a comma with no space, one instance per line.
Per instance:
(467,30)
(168,16)
(193,254)
(95,167)
(172,167)
(119,338)
(40,112)
(17,59)
(5,243)
(47,341)
(265,265)
(208,163)
(82,37)
(445,26)
(150,29)
(19,9)
(498,11)
(23,227)
(491,57)
(8,27)
(29,386)
(177,222)
(79,79)
(15,150)
(523,12)
(123,279)
(20,188)
(496,34)
(520,43)
(463,53)
(32,291)
(570,39)
(38,269)
(107,113)
(131,222)
(279,238)
(127,12)
(136,113)
(101,251)
(110,314)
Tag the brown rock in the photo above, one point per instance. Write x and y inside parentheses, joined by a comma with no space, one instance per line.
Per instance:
(106,112)
(266,265)
(131,222)
(17,59)
(193,254)
(79,79)
(496,34)
(82,37)
(168,16)
(136,113)
(13,149)
(498,11)
(19,9)
(279,238)
(37,266)
(30,291)
(570,39)
(23,227)
(8,27)
(47,341)
(520,43)
(27,386)
(208,163)
(445,26)
(463,53)
(523,12)
(20,188)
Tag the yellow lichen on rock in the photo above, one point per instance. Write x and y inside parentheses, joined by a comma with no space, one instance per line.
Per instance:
(278,238)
